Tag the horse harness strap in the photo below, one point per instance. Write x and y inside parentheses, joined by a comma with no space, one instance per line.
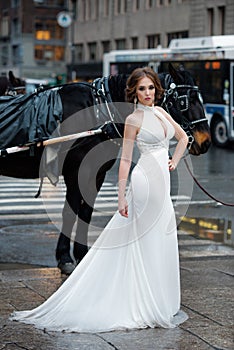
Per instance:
(102,93)
(12,91)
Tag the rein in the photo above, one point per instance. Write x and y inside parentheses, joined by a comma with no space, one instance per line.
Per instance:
(203,189)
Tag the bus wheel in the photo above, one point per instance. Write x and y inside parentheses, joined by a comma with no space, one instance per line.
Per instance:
(219,133)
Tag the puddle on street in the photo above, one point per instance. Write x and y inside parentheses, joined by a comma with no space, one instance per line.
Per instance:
(217,230)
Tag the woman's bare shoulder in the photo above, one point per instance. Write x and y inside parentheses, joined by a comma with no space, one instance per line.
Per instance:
(135,118)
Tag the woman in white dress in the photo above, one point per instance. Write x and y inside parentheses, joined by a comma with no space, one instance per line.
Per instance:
(130,277)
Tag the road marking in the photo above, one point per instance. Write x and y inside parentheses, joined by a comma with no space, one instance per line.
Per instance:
(17,199)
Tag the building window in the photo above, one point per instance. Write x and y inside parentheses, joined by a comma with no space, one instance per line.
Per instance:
(16,54)
(49,3)
(149,4)
(105,46)
(4,55)
(210,14)
(4,29)
(125,6)
(106,8)
(16,27)
(136,5)
(118,6)
(48,29)
(221,11)
(120,44)
(85,10)
(135,43)
(79,52)
(95,9)
(49,53)
(92,51)
(15,3)
(153,41)
(177,35)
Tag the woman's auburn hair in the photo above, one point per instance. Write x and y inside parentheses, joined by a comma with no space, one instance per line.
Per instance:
(134,79)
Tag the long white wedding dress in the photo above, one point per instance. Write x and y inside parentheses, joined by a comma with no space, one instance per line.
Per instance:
(130,276)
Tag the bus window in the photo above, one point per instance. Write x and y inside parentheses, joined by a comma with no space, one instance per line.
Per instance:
(209,80)
(125,67)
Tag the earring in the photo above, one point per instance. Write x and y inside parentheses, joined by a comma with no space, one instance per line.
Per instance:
(135,103)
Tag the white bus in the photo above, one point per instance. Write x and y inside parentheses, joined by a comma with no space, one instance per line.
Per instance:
(210,60)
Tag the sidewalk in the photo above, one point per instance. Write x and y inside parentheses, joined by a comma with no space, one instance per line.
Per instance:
(207,297)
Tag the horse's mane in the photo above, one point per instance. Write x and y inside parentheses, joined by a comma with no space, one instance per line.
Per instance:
(3,85)
(117,86)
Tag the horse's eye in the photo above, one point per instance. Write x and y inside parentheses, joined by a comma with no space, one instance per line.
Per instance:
(193,94)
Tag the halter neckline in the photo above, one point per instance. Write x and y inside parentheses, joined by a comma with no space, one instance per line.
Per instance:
(141,106)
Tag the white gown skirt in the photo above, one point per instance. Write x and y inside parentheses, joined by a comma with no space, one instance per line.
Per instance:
(130,277)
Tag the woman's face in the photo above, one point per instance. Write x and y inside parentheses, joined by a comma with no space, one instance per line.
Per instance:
(145,91)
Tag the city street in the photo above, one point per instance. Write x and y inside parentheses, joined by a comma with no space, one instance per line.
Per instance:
(72,69)
(39,220)
(29,230)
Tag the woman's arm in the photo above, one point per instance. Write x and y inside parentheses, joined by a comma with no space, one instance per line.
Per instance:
(182,139)
(130,132)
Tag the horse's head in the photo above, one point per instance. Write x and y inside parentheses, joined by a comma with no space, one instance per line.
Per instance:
(16,85)
(184,103)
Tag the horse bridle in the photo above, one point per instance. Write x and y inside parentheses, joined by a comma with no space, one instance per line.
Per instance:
(172,96)
(102,93)
(12,91)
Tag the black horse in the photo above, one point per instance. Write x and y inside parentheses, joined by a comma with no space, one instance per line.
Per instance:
(12,85)
(85,163)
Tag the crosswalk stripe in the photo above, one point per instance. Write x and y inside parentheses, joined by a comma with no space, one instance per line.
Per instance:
(17,196)
(17,199)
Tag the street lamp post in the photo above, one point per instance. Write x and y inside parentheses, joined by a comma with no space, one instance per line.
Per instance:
(73,72)
(67,19)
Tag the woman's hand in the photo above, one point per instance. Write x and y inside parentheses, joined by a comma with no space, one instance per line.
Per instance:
(171,164)
(123,207)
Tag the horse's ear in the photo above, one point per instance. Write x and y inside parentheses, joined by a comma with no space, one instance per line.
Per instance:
(11,76)
(174,73)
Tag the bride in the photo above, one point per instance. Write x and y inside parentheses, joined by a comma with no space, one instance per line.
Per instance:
(130,276)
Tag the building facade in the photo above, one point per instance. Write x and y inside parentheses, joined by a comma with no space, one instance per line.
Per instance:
(105,25)
(34,45)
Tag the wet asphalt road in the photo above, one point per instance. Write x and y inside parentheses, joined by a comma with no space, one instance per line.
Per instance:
(26,229)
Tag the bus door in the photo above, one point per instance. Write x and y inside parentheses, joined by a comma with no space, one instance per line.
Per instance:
(232,100)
